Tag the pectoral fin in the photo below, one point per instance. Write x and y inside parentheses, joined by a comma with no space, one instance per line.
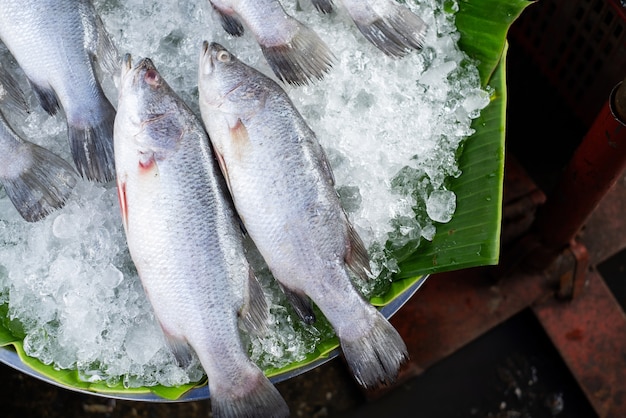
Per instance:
(223,169)
(239,137)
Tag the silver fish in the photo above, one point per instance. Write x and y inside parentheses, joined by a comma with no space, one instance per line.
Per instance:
(36,180)
(186,242)
(283,188)
(390,26)
(56,43)
(295,52)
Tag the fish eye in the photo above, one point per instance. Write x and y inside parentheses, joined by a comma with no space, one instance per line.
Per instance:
(223,56)
(152,77)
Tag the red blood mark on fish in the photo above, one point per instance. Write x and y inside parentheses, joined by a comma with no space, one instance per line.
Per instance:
(121,197)
(147,163)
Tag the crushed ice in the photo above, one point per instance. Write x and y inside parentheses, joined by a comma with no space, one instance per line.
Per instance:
(388,126)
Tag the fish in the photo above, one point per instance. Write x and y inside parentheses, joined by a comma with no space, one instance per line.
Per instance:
(186,241)
(295,53)
(282,186)
(36,180)
(57,44)
(390,26)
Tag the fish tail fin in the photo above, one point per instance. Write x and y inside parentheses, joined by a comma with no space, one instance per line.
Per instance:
(92,148)
(43,186)
(395,31)
(301,59)
(256,396)
(323,6)
(230,23)
(375,357)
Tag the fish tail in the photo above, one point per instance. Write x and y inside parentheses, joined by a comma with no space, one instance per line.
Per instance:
(396,33)
(92,148)
(300,60)
(323,6)
(260,398)
(376,356)
(42,187)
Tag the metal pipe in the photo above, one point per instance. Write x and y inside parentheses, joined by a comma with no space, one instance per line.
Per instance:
(592,171)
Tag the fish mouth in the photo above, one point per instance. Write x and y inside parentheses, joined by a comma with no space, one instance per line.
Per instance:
(146,64)
(206,58)
(210,55)
(135,74)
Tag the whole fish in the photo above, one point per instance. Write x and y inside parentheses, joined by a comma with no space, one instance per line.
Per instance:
(283,189)
(295,52)
(36,180)
(390,26)
(56,43)
(186,242)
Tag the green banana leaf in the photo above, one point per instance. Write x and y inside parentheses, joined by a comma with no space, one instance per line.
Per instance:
(470,239)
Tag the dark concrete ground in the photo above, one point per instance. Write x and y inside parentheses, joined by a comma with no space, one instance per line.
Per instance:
(511,371)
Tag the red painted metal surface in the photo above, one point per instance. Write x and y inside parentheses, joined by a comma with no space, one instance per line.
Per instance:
(590,334)
(453,309)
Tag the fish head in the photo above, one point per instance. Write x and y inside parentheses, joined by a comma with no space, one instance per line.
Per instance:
(145,86)
(149,120)
(227,83)
(148,105)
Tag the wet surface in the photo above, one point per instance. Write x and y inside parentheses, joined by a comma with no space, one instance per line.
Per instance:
(511,371)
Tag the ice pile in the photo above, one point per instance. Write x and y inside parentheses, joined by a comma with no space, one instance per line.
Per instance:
(391,129)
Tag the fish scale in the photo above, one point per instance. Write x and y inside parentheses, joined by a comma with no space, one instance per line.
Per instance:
(55,42)
(186,242)
(282,185)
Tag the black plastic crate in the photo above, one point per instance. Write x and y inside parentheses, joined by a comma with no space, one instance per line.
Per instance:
(579,45)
